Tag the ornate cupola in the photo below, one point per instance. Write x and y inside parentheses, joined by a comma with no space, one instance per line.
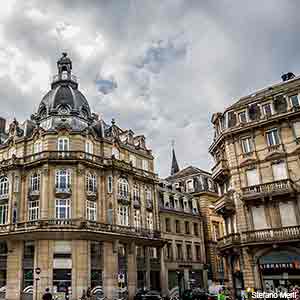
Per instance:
(64,103)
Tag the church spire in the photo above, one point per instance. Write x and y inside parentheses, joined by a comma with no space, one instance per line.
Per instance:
(174,166)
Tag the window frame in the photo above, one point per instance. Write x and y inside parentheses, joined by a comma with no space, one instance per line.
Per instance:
(292,102)
(63,143)
(91,210)
(68,179)
(110,185)
(91,182)
(240,113)
(270,132)
(66,206)
(4,186)
(33,210)
(249,144)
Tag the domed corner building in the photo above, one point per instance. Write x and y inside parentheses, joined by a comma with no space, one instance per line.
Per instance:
(78,202)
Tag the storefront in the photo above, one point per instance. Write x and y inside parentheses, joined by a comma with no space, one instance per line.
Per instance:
(280,270)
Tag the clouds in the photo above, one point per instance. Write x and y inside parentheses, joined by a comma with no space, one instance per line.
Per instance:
(159,67)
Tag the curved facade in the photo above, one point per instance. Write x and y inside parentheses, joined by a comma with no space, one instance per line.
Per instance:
(77,201)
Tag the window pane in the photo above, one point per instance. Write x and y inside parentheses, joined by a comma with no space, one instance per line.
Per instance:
(279,171)
(252,177)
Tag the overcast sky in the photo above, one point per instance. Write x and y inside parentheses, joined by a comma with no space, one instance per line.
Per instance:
(159,67)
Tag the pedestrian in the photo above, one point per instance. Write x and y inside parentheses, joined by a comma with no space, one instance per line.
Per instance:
(83,297)
(47,295)
(89,293)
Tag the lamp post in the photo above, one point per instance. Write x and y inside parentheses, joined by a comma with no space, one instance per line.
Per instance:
(37,278)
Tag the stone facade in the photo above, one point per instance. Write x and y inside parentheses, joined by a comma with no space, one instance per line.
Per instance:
(78,200)
(198,184)
(256,151)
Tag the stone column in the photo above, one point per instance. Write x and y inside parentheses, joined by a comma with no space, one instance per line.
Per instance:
(78,194)
(80,267)
(247,268)
(45,186)
(186,278)
(148,268)
(43,259)
(132,271)
(163,273)
(14,270)
(110,274)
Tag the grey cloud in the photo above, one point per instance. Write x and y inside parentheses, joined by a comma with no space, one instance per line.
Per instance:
(165,66)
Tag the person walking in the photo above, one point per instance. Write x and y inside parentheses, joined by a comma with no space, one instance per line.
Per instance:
(47,295)
(89,294)
(83,297)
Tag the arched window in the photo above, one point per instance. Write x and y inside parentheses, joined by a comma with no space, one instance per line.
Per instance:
(35,182)
(91,183)
(136,193)
(115,152)
(4,187)
(123,188)
(63,144)
(148,195)
(63,180)
(137,218)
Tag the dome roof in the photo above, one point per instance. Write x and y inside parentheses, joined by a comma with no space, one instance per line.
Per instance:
(64,98)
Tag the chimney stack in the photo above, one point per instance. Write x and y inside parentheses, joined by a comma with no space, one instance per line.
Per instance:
(2,125)
(288,76)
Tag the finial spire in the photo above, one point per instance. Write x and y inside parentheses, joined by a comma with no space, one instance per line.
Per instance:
(174,166)
(64,64)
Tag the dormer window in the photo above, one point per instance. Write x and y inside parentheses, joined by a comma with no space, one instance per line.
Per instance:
(115,152)
(267,109)
(145,165)
(190,186)
(294,101)
(243,116)
(63,144)
(132,159)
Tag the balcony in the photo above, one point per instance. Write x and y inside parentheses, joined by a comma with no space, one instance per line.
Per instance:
(123,199)
(281,234)
(229,241)
(34,194)
(92,194)
(136,202)
(75,228)
(149,205)
(225,205)
(220,170)
(263,236)
(63,191)
(4,196)
(275,188)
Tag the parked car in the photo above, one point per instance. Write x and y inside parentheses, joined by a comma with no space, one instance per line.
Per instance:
(147,295)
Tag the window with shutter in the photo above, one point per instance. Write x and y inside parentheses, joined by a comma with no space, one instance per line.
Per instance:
(259,217)
(297,129)
(279,171)
(252,177)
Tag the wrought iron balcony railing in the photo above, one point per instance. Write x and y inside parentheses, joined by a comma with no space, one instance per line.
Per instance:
(280,187)
(4,196)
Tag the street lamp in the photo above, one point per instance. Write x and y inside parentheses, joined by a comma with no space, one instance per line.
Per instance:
(37,278)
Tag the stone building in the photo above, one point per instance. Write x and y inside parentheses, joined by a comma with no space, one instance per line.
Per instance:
(78,201)
(182,228)
(256,151)
(197,186)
